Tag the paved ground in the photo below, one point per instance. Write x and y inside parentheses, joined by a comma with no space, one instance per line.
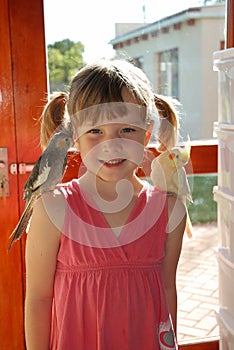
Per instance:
(198,285)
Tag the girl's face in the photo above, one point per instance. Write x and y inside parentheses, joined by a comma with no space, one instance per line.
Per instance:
(113,149)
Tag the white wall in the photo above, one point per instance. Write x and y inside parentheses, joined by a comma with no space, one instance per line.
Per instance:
(197,80)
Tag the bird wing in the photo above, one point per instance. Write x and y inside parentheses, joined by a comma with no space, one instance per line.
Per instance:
(162,173)
(38,176)
(183,185)
(157,175)
(41,175)
(55,173)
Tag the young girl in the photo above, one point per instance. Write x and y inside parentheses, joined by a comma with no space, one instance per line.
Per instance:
(102,250)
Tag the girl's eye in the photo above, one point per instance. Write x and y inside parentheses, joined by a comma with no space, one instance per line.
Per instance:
(127,130)
(94,131)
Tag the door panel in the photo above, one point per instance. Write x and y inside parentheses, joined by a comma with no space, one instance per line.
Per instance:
(22,93)
(29,77)
(11,293)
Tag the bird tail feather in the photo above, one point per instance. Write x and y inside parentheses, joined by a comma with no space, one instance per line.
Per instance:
(188,226)
(23,222)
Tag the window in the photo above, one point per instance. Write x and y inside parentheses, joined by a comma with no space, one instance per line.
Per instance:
(168,73)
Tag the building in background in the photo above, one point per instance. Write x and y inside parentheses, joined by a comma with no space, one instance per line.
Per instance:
(176,53)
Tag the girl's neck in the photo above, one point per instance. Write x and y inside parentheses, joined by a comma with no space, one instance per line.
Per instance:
(116,204)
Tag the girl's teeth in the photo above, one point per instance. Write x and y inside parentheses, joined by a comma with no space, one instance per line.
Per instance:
(114,161)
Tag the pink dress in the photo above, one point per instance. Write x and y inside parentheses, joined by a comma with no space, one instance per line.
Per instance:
(108,290)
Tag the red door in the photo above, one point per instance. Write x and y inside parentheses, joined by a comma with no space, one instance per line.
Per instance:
(22,95)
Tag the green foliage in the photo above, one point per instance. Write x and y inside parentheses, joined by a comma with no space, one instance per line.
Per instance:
(65,58)
(203,208)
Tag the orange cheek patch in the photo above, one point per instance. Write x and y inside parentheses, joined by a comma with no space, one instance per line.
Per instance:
(61,143)
(171,156)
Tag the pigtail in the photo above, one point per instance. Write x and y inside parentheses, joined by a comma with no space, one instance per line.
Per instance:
(52,116)
(168,123)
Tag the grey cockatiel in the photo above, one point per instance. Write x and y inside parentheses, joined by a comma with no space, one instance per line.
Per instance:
(46,174)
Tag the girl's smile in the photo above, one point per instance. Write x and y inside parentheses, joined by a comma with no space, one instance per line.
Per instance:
(112,163)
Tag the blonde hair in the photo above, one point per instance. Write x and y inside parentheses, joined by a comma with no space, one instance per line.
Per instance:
(168,129)
(101,83)
(52,116)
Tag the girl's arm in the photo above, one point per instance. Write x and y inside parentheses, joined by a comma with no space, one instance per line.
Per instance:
(176,227)
(41,255)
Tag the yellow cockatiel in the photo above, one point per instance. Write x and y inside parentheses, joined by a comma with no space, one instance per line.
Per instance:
(168,174)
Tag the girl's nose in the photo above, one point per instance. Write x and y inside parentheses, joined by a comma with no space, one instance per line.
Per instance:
(113,145)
